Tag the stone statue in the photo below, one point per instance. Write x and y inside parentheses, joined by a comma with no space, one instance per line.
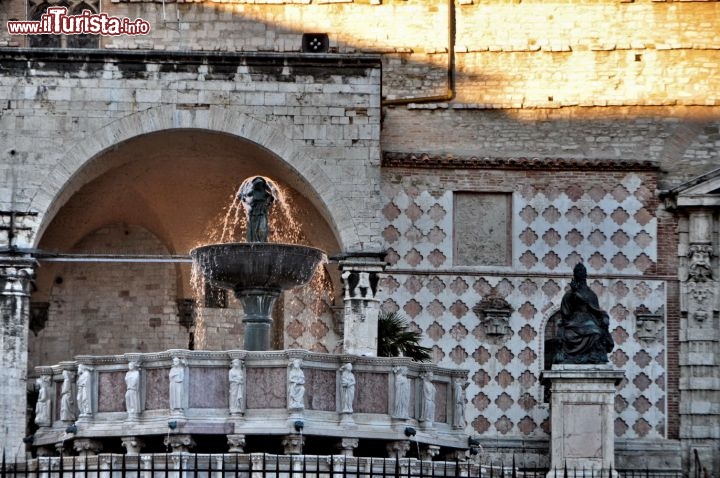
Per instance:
(258,196)
(700,267)
(582,334)
(347,388)
(364,285)
(84,397)
(296,386)
(236,377)
(427,413)
(132,393)
(459,387)
(401,403)
(42,407)
(177,379)
(345,276)
(67,398)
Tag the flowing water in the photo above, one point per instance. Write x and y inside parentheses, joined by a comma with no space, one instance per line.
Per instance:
(231,226)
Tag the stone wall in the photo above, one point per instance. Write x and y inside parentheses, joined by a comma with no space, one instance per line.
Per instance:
(559,54)
(606,219)
(73,107)
(632,80)
(107,308)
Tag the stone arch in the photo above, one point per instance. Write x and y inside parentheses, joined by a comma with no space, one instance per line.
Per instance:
(62,181)
(546,325)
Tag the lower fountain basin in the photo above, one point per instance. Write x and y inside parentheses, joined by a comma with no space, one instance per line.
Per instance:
(244,266)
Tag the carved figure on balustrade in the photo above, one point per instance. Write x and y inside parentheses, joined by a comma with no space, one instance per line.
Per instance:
(401,404)
(177,384)
(296,386)
(236,377)
(67,398)
(132,392)
(42,407)
(427,413)
(347,388)
(84,384)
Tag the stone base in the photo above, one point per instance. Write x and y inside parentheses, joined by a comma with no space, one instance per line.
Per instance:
(560,473)
(582,416)
(293,444)
(133,445)
(236,443)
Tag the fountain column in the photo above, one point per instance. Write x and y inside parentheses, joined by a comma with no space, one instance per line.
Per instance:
(257,305)
(16,274)
(257,271)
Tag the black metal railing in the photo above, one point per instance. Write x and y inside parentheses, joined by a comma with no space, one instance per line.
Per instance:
(261,465)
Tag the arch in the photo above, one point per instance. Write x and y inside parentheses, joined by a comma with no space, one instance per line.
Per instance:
(63,180)
(544,323)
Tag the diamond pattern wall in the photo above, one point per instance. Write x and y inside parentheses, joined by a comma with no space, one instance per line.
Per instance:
(505,394)
(608,225)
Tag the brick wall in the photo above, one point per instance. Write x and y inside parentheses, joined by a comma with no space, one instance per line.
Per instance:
(668,266)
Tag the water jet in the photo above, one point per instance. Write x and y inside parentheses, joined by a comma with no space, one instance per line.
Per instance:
(257,271)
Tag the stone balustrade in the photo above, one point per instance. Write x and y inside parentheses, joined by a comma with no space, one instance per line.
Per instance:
(291,394)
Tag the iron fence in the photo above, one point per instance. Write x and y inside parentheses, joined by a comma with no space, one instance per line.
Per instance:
(261,465)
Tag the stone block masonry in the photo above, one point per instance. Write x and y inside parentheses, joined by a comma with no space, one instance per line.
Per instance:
(572,53)
(301,109)
(319,115)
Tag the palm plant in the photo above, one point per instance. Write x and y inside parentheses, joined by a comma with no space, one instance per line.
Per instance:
(395,340)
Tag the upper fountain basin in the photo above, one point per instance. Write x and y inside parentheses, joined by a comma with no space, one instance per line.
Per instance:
(242,266)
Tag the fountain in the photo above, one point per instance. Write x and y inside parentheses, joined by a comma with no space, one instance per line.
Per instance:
(256,270)
(282,397)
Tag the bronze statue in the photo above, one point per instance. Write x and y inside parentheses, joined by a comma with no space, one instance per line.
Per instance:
(583,335)
(258,197)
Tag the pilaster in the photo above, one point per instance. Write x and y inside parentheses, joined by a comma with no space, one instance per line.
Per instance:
(360,276)
(16,276)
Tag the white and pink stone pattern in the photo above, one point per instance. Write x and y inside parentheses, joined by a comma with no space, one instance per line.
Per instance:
(505,396)
(309,321)
(607,226)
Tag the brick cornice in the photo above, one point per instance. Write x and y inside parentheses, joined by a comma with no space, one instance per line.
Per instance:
(392,159)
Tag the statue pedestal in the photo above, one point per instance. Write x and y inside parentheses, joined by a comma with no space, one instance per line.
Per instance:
(582,417)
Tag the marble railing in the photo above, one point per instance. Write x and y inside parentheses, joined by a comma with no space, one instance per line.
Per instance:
(238,393)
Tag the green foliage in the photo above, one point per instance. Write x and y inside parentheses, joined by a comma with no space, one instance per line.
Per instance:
(395,340)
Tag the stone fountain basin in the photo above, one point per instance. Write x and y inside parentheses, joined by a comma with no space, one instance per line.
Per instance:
(242,266)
